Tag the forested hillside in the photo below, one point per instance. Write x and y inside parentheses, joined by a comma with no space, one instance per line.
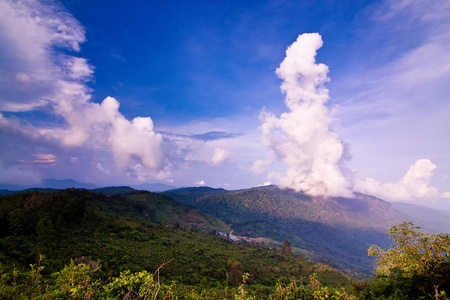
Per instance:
(337,230)
(117,243)
(138,231)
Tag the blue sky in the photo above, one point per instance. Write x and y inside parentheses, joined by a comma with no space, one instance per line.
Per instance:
(195,98)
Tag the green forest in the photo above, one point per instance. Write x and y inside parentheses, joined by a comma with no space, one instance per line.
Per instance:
(322,226)
(125,244)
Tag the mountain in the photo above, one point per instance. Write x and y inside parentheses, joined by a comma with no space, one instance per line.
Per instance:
(335,229)
(156,208)
(153,187)
(52,184)
(65,184)
(5,192)
(61,184)
(431,220)
(30,190)
(114,190)
(138,231)
(5,188)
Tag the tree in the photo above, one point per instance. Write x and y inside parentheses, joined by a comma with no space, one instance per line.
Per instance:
(287,248)
(424,258)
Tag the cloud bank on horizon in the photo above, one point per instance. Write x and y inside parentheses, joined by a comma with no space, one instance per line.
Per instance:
(50,123)
(415,184)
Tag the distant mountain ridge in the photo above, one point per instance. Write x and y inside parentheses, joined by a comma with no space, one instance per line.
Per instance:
(65,183)
(432,220)
(153,187)
(48,183)
(422,212)
(61,184)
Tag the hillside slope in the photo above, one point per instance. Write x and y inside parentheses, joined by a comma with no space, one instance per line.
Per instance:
(429,219)
(334,228)
(117,233)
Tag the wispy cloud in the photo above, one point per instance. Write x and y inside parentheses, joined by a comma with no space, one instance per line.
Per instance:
(34,72)
(215,135)
(44,158)
(414,64)
(393,107)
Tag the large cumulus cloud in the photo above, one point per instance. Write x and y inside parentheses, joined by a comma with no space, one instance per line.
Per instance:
(303,137)
(414,185)
(41,73)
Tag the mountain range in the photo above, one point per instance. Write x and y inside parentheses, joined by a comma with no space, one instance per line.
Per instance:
(70,183)
(118,230)
(334,230)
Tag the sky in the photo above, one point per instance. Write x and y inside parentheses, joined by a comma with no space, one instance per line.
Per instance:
(324,97)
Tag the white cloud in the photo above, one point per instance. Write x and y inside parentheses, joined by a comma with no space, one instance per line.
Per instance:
(237,138)
(214,147)
(201,182)
(38,75)
(44,158)
(302,137)
(414,185)
(220,155)
(260,166)
(136,138)
(34,73)
(394,106)
(134,145)
(100,167)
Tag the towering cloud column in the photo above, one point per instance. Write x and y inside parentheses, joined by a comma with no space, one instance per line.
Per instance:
(302,137)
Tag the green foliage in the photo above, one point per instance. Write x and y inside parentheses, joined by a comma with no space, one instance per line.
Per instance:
(414,254)
(132,285)
(313,290)
(139,285)
(242,293)
(74,282)
(106,247)
(36,271)
(115,232)
(287,248)
(418,264)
